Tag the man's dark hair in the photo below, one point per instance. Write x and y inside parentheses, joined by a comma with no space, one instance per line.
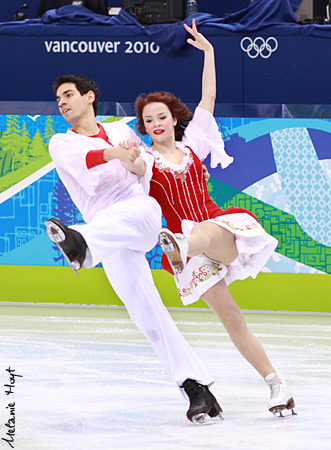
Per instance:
(83,86)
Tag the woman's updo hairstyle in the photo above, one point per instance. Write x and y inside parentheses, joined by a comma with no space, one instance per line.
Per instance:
(177,109)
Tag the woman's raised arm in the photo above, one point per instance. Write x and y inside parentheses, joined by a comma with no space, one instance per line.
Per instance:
(208,92)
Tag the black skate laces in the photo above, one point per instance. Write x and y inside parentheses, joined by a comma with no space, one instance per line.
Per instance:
(192,388)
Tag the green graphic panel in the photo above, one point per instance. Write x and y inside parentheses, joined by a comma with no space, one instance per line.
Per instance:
(293,242)
(269,291)
(23,149)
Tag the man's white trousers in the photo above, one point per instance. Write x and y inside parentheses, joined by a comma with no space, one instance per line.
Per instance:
(119,237)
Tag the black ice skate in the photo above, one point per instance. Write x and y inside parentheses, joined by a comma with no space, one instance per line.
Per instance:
(70,243)
(202,403)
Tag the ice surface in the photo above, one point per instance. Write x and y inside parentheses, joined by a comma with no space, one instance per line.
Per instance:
(91,381)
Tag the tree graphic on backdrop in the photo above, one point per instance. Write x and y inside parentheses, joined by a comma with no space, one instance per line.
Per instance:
(22,154)
(65,210)
(49,130)
(37,144)
(9,141)
(17,149)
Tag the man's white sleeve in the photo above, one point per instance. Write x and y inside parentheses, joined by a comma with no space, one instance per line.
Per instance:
(69,157)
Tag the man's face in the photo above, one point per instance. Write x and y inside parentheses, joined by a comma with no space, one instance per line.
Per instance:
(71,103)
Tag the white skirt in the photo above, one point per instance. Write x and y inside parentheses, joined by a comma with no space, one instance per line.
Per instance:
(254,244)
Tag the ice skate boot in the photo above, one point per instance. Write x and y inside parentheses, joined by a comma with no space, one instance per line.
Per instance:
(202,403)
(281,400)
(175,246)
(71,244)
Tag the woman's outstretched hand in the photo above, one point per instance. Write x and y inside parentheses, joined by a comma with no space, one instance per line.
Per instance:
(199,40)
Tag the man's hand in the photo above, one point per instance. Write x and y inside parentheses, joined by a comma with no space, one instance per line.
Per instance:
(206,174)
(129,157)
(128,143)
(124,154)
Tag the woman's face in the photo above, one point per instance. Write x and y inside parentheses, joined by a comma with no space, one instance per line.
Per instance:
(158,122)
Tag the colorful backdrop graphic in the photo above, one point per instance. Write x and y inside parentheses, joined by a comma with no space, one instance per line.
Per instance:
(281,172)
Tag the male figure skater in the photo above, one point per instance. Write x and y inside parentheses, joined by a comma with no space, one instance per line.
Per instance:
(109,184)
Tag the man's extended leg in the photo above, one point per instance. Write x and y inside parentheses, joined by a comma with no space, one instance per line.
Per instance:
(132,224)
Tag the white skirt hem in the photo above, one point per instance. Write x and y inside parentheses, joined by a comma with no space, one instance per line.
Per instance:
(255,247)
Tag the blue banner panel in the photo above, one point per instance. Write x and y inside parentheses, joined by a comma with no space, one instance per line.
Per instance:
(124,67)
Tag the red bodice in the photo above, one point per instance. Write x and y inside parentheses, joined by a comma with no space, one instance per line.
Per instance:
(184,195)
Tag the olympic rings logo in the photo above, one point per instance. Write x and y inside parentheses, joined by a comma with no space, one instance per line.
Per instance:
(259,46)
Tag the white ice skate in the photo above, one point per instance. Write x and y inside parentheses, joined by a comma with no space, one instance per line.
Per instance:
(175,246)
(281,400)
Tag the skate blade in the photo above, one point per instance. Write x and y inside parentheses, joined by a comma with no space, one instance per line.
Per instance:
(57,236)
(284,414)
(204,419)
(285,411)
(54,232)
(171,249)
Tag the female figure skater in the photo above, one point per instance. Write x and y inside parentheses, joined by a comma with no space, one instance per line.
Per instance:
(207,248)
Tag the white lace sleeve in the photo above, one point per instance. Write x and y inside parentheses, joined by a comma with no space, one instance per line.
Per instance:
(203,136)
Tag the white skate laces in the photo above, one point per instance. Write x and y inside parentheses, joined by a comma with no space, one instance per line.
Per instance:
(281,400)
(175,246)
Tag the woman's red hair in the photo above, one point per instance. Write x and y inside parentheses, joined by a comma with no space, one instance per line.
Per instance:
(177,109)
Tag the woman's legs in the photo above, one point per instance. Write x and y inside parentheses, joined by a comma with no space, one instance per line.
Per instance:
(221,302)
(219,299)
(220,245)
(214,241)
